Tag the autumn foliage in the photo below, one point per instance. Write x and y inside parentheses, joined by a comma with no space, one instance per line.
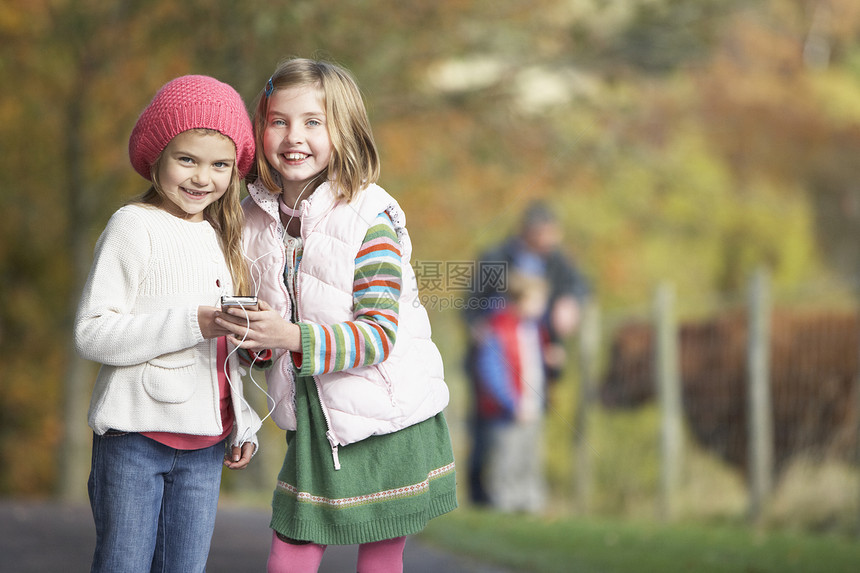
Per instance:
(691,141)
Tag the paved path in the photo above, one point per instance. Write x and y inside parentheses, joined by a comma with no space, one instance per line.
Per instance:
(43,536)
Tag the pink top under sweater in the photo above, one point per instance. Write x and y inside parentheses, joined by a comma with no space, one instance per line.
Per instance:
(192,442)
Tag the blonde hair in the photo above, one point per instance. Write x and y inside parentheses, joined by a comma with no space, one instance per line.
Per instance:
(225,215)
(522,285)
(354,162)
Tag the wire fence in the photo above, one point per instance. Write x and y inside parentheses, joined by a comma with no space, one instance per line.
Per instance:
(748,411)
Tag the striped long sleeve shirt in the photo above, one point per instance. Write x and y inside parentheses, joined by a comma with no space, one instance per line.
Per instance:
(369,337)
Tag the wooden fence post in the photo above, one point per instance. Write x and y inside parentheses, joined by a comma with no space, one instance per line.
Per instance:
(669,393)
(759,413)
(589,342)
(857,405)
(857,437)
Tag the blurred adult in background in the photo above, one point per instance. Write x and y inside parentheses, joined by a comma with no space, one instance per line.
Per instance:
(535,249)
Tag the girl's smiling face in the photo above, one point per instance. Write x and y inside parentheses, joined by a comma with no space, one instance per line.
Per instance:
(194,171)
(296,142)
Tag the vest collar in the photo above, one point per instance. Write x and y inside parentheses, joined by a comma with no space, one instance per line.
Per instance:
(265,199)
(312,209)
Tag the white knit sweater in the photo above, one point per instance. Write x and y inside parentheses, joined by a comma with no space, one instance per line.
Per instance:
(138,318)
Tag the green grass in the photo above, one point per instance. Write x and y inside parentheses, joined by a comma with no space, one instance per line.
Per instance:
(584,545)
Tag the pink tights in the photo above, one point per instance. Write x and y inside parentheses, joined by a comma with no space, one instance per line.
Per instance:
(384,556)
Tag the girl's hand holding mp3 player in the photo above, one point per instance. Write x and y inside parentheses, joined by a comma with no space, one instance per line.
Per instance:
(254,325)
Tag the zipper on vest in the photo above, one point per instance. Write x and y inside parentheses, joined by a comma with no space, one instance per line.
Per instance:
(334,449)
(328,433)
(291,250)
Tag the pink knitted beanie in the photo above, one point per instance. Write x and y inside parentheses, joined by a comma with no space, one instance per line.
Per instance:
(190,102)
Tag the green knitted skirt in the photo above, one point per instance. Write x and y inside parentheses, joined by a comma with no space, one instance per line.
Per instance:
(387,486)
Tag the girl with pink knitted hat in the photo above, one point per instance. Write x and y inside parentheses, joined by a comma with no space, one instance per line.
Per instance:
(167,410)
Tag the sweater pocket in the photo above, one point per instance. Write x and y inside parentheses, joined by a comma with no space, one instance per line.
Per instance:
(170,377)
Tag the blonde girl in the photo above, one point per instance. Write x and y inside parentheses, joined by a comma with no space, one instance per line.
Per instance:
(356,381)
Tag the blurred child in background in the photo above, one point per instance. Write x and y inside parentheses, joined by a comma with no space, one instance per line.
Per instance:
(511,393)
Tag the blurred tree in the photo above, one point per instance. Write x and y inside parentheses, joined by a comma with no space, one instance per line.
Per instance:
(82,71)
(662,131)
(663,36)
(88,65)
(772,115)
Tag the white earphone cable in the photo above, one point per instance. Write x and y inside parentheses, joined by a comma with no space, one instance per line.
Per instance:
(257,280)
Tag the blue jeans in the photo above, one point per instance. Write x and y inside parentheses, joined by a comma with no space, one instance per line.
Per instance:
(153,506)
